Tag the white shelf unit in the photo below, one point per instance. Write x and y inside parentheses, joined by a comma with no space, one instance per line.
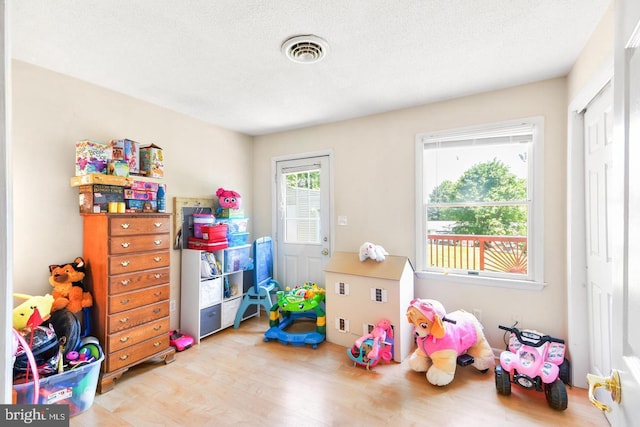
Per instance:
(204,307)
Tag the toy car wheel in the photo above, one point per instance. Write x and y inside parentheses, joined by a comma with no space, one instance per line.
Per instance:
(565,372)
(503,381)
(556,394)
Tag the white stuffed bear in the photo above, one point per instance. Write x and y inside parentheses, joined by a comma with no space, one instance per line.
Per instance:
(373,251)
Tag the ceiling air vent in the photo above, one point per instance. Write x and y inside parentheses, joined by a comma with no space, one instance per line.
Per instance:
(305,49)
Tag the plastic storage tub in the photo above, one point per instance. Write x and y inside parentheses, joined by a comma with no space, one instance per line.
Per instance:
(238,239)
(236,259)
(75,387)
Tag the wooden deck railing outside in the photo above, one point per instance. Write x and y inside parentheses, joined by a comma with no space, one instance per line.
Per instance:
(479,253)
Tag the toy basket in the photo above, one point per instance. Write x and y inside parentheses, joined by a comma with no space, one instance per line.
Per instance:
(75,387)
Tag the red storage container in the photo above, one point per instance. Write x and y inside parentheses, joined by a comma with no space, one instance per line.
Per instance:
(214,233)
(205,245)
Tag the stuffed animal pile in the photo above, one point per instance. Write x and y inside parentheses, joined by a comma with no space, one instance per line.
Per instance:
(373,251)
(440,341)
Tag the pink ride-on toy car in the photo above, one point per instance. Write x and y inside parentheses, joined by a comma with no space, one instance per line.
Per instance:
(534,361)
(180,341)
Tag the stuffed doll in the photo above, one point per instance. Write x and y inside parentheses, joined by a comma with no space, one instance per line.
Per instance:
(373,251)
(228,199)
(68,289)
(442,339)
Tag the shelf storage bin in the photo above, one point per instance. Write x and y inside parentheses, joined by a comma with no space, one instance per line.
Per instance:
(238,239)
(237,258)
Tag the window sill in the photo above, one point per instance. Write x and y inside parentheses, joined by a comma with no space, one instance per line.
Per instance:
(494,282)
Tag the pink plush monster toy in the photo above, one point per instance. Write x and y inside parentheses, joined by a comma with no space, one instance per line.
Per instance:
(379,335)
(228,198)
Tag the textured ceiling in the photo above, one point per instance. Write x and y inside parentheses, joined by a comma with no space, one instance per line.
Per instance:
(220,61)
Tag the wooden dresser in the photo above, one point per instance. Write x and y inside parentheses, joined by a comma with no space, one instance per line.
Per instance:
(128,273)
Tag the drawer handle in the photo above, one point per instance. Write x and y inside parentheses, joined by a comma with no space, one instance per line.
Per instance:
(125,263)
(157,259)
(124,225)
(157,276)
(125,301)
(125,282)
(124,357)
(124,320)
(157,242)
(157,294)
(125,244)
(157,224)
(157,327)
(156,344)
(157,310)
(125,339)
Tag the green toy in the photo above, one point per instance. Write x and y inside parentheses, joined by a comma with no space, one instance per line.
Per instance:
(303,301)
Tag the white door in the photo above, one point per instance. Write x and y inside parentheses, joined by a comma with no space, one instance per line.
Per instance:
(303,212)
(620,390)
(598,147)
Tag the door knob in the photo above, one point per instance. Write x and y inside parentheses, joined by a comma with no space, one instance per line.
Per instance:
(612,384)
(325,252)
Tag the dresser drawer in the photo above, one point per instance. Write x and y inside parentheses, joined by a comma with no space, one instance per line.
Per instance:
(138,280)
(140,243)
(129,319)
(131,300)
(136,353)
(135,262)
(130,225)
(137,335)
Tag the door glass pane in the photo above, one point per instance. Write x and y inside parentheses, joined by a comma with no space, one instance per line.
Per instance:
(302,206)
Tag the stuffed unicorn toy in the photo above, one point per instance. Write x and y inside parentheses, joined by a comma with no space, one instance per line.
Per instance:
(373,251)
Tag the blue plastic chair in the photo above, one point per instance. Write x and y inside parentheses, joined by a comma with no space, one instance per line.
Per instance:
(264,285)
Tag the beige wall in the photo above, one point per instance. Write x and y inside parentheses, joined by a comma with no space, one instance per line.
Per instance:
(374,179)
(596,56)
(50,113)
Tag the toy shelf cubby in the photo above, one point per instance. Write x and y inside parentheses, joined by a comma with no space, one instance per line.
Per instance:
(209,304)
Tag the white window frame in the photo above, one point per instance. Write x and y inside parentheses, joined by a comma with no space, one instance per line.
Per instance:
(534,280)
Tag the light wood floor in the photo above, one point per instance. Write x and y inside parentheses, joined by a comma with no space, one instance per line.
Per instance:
(234,378)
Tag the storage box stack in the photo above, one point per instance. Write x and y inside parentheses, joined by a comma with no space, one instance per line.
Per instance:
(237,234)
(152,161)
(95,198)
(92,157)
(125,155)
(142,196)
(213,237)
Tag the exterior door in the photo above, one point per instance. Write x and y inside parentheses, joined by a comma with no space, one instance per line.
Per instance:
(619,390)
(303,212)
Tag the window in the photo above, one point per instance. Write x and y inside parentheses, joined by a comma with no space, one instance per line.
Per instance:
(302,199)
(479,203)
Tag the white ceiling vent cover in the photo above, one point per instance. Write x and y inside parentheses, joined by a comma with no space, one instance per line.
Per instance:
(305,49)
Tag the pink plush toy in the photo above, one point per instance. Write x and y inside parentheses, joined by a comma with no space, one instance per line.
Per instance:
(379,335)
(440,341)
(228,198)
